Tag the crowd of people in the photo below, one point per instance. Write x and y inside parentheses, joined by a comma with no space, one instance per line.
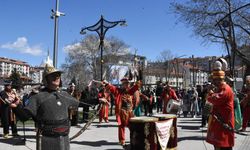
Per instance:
(54,110)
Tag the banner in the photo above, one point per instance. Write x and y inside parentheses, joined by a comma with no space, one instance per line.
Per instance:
(163,130)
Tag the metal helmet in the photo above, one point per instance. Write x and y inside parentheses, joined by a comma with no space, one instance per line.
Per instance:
(49,69)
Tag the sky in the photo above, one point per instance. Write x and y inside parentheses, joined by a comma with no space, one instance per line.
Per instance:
(27,31)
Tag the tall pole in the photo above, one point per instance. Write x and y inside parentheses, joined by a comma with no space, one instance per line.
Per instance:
(55,15)
(177,70)
(55,52)
(102,45)
(193,71)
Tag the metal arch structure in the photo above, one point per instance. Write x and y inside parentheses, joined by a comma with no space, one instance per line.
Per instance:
(101,27)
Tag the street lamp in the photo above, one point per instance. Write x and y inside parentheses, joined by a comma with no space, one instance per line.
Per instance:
(177,69)
(101,27)
(55,15)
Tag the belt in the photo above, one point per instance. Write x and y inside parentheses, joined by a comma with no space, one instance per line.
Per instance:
(126,106)
(54,128)
(55,132)
(60,129)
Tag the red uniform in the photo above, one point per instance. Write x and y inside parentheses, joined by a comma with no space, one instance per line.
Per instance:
(223,107)
(123,108)
(166,96)
(104,112)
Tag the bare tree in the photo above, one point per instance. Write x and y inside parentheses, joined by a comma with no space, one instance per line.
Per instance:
(83,58)
(165,58)
(223,21)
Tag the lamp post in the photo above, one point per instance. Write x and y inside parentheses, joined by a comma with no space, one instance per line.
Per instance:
(55,15)
(177,70)
(101,27)
(194,82)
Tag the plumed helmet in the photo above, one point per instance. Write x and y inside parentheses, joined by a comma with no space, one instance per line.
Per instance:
(217,65)
(224,64)
(49,69)
(220,66)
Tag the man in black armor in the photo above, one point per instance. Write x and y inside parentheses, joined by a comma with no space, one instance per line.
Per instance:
(49,108)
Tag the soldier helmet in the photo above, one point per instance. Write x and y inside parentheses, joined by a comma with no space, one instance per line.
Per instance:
(220,66)
(49,69)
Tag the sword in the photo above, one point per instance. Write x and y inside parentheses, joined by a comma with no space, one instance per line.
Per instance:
(88,123)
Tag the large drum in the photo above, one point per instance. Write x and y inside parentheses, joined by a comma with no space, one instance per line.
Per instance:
(173,106)
(142,133)
(172,142)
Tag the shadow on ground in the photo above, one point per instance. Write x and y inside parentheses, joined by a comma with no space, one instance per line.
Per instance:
(188,127)
(188,122)
(195,138)
(95,143)
(105,125)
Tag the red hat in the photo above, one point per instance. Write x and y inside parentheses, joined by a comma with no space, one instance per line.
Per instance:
(124,80)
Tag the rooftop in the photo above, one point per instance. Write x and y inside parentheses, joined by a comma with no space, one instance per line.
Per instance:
(13,61)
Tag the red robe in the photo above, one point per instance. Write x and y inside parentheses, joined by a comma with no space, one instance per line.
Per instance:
(166,96)
(104,112)
(223,106)
(123,116)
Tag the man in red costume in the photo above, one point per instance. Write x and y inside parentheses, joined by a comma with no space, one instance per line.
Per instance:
(168,93)
(221,122)
(124,105)
(245,103)
(104,96)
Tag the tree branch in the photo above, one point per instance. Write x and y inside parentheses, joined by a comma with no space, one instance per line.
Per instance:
(237,25)
(213,35)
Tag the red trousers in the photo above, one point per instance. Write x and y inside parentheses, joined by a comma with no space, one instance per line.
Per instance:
(122,123)
(104,113)
(121,133)
(246,116)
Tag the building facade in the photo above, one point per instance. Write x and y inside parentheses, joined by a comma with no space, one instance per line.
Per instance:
(8,65)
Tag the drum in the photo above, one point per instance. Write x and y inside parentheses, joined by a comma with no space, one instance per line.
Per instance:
(172,142)
(142,133)
(173,106)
